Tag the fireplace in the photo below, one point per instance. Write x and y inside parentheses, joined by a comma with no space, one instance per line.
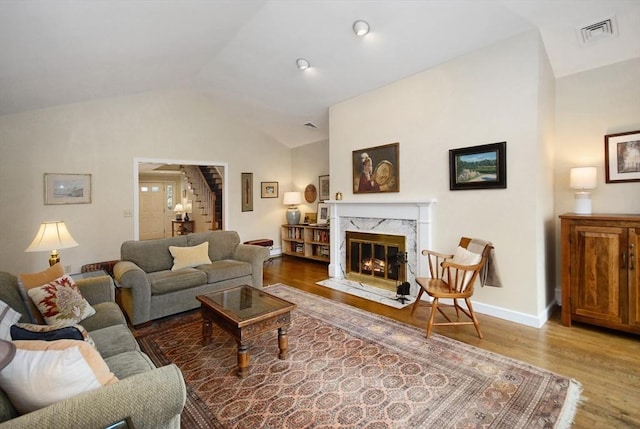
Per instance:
(411,219)
(374,259)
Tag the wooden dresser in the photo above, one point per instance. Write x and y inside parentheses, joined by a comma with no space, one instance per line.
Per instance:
(600,272)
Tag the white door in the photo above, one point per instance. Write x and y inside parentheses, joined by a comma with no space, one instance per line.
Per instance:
(152,210)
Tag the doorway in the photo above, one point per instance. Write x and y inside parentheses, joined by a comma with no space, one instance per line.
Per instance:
(156,168)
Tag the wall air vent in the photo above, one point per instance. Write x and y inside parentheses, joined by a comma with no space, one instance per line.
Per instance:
(598,31)
(310,125)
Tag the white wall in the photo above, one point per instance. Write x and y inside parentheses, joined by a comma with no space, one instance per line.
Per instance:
(590,105)
(102,138)
(308,163)
(501,93)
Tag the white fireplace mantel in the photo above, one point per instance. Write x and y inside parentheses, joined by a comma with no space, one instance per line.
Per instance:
(418,211)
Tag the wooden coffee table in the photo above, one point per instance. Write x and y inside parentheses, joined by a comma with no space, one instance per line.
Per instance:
(246,312)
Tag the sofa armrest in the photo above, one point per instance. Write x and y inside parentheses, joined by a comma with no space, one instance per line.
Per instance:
(135,296)
(97,289)
(152,400)
(255,255)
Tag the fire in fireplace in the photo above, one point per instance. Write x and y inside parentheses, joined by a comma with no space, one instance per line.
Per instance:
(373,258)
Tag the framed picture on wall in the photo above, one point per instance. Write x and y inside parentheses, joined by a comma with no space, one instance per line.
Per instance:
(67,188)
(247,192)
(478,167)
(323,186)
(622,157)
(376,169)
(269,189)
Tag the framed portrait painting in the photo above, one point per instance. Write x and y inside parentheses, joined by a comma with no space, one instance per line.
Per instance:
(478,167)
(376,169)
(247,192)
(622,157)
(67,188)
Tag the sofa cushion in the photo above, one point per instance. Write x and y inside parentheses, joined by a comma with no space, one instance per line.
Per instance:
(107,314)
(32,332)
(31,280)
(222,244)
(130,363)
(226,269)
(151,255)
(10,294)
(60,302)
(169,281)
(8,317)
(45,372)
(114,340)
(190,256)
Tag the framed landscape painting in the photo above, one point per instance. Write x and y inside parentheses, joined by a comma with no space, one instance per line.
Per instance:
(478,167)
(67,188)
(622,157)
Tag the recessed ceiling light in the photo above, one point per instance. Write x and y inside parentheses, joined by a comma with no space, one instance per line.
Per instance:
(361,28)
(302,64)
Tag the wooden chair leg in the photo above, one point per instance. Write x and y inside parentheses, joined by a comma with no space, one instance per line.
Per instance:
(432,316)
(415,304)
(473,317)
(457,307)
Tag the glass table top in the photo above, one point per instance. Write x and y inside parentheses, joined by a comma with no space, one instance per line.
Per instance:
(245,302)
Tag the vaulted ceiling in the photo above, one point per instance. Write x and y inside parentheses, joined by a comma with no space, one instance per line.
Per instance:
(243,53)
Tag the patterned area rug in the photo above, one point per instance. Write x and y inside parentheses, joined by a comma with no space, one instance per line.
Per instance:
(348,368)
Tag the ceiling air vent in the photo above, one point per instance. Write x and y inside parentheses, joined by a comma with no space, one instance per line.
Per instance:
(310,125)
(598,31)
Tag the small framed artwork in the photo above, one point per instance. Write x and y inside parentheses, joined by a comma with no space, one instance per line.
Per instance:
(622,157)
(323,213)
(478,167)
(376,169)
(247,192)
(67,188)
(269,189)
(323,186)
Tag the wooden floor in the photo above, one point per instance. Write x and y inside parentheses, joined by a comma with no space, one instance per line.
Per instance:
(605,362)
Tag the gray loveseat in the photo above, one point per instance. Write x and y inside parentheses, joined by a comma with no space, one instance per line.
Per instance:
(151,397)
(150,290)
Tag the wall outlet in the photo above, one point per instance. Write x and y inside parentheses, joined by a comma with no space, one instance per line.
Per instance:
(67,269)
(127,213)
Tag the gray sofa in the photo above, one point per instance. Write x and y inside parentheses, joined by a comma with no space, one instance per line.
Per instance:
(150,290)
(151,397)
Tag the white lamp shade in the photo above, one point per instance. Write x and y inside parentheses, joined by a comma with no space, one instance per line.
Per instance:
(178,208)
(583,178)
(292,198)
(52,236)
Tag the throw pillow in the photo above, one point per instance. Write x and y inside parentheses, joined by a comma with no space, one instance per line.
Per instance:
(464,257)
(46,372)
(28,331)
(60,302)
(187,257)
(28,281)
(8,317)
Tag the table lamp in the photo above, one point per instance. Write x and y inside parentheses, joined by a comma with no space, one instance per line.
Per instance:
(583,178)
(52,235)
(292,199)
(178,209)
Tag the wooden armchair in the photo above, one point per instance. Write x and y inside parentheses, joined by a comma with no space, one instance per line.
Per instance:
(452,277)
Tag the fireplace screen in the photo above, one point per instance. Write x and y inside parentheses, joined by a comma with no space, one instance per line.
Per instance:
(374,257)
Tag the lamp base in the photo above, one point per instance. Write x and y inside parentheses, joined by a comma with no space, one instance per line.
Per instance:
(293,216)
(582,203)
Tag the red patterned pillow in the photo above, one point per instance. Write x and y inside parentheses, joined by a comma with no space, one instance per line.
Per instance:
(60,302)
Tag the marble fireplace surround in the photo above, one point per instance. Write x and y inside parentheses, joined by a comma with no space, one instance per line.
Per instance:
(412,219)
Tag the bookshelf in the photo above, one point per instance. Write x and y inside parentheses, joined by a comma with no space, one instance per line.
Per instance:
(306,241)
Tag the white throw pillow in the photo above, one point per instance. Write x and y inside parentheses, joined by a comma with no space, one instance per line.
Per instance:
(187,257)
(45,372)
(464,257)
(60,302)
(8,317)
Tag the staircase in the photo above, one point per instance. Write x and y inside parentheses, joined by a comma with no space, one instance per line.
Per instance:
(206,185)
